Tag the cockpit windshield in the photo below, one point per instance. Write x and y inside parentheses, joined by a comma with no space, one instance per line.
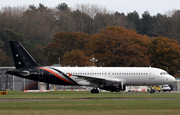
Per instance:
(164,73)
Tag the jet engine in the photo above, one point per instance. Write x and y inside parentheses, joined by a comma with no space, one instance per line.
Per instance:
(113,86)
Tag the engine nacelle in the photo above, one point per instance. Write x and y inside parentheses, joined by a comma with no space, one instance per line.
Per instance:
(113,86)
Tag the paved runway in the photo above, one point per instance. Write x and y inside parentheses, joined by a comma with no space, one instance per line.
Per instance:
(120,98)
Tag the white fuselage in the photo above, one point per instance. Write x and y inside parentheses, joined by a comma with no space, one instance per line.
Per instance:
(128,75)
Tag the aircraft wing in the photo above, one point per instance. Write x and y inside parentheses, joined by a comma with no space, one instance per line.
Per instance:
(95,79)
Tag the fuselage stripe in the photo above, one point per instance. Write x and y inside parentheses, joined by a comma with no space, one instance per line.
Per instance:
(56,75)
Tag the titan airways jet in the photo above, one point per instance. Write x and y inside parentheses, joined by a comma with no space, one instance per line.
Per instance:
(107,78)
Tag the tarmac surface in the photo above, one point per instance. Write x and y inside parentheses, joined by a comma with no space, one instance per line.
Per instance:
(120,98)
(86,99)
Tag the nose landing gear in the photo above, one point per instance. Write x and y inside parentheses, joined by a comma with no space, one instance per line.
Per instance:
(152,91)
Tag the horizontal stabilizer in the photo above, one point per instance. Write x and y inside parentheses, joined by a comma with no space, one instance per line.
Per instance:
(16,72)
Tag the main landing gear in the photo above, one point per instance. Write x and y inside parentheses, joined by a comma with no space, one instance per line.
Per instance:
(94,90)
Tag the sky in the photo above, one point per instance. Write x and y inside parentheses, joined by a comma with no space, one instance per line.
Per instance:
(122,6)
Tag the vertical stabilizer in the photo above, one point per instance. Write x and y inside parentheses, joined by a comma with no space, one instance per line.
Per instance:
(21,57)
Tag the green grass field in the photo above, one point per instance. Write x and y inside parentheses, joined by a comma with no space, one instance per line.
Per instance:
(85,103)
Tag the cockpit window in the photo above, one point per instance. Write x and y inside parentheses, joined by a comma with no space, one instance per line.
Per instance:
(164,73)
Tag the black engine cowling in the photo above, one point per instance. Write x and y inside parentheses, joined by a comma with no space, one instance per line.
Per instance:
(113,86)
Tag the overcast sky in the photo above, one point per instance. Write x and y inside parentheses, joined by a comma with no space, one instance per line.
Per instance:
(125,6)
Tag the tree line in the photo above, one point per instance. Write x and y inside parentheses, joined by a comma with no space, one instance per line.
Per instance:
(77,34)
(114,46)
(40,23)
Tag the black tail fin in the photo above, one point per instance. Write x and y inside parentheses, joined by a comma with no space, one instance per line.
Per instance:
(21,57)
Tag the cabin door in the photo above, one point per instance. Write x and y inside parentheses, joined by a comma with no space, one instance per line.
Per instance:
(151,74)
(40,73)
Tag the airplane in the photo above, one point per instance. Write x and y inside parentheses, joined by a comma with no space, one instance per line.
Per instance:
(111,79)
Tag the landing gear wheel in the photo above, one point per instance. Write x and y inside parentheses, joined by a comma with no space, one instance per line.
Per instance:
(152,91)
(95,91)
(117,90)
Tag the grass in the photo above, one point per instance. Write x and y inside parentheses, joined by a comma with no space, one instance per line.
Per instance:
(80,103)
(85,95)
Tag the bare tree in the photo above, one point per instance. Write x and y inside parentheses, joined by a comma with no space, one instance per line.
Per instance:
(91,9)
(167,25)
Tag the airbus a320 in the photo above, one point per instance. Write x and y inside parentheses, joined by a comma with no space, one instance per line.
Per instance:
(106,78)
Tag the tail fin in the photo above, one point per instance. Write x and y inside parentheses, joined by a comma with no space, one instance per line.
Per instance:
(21,57)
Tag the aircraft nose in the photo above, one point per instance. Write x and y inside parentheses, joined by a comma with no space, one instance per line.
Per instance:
(171,79)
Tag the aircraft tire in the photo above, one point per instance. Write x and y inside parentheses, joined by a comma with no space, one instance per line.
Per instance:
(117,90)
(94,91)
(97,91)
(152,92)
